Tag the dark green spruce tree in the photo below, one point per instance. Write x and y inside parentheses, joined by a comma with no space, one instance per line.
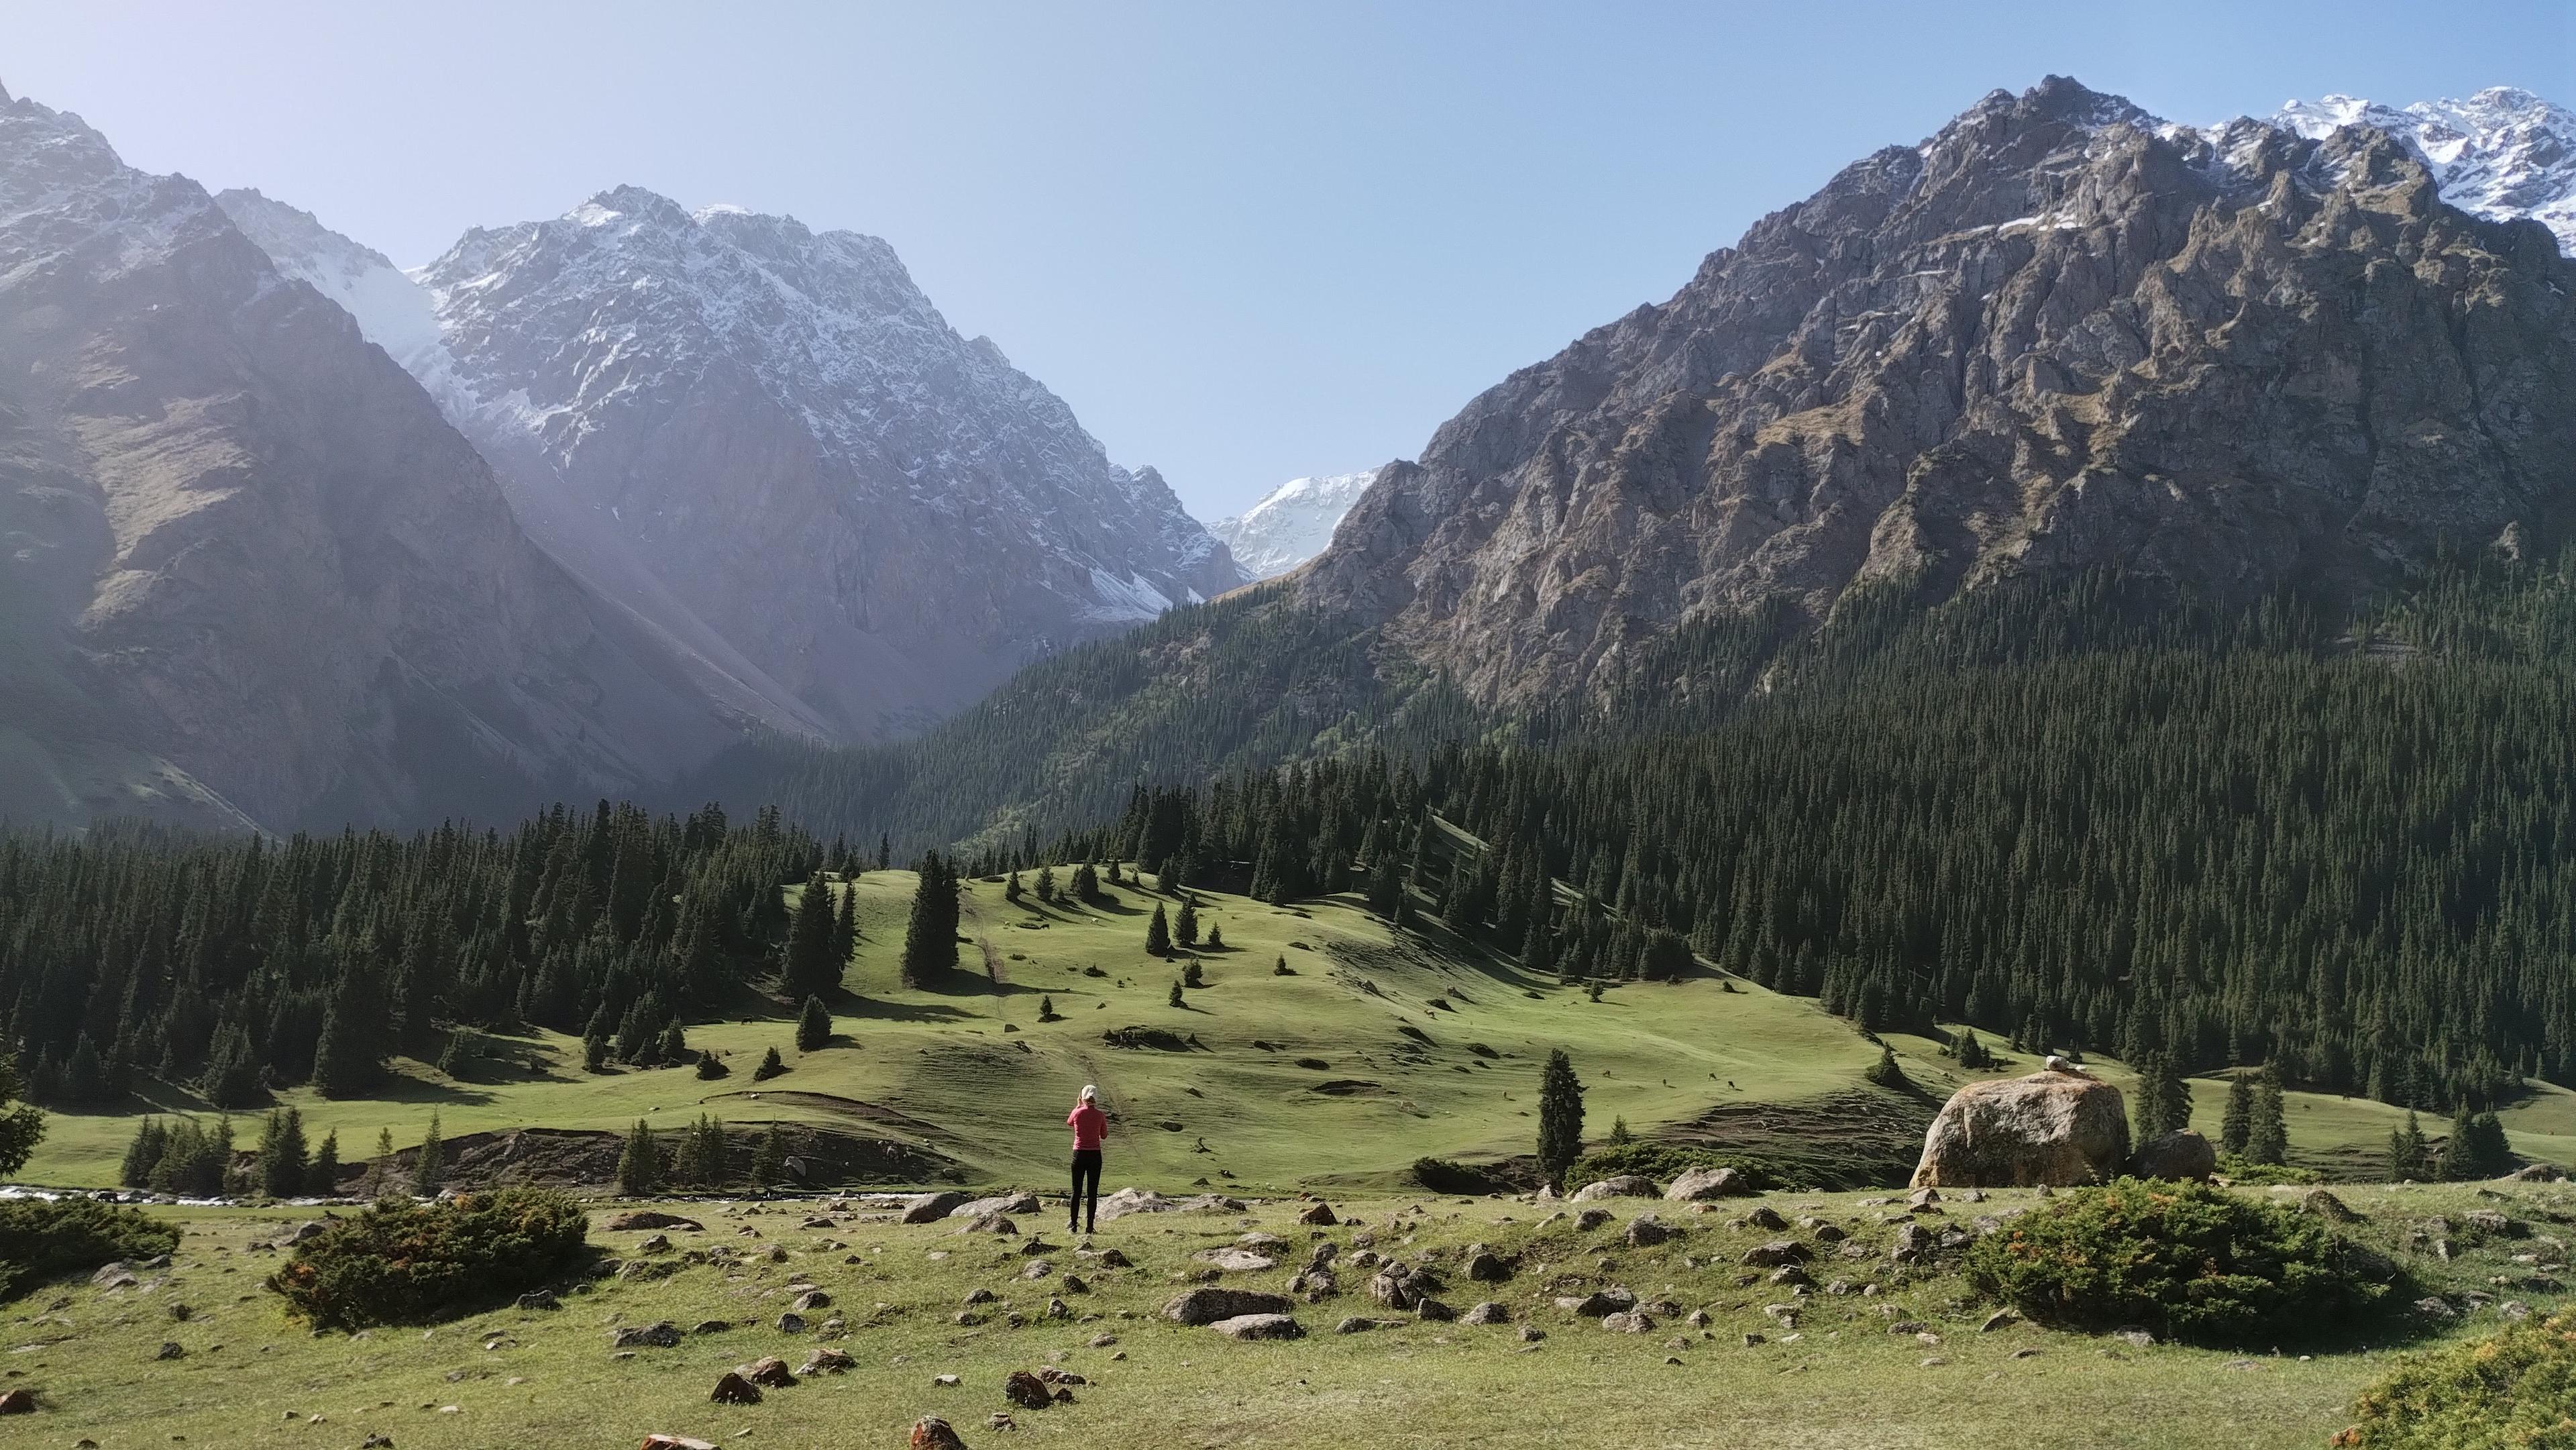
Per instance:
(1560,1118)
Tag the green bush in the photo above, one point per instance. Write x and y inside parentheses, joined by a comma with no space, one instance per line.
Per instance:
(1442,1175)
(2511,1392)
(408,1263)
(2191,1262)
(2245,1170)
(42,1239)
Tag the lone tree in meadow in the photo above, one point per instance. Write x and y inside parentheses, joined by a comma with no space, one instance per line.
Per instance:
(429,1167)
(930,937)
(1158,934)
(2409,1160)
(813,1025)
(1560,1117)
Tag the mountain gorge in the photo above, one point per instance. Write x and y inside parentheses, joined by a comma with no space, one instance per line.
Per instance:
(251,573)
(767,443)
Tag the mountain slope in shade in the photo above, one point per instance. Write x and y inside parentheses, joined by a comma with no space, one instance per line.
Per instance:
(1292,523)
(770,445)
(2057,336)
(249,565)
(2502,154)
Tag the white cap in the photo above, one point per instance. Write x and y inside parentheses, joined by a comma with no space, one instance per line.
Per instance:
(1089,1092)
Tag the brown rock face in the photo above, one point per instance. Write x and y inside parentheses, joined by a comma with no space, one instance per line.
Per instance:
(2050,1127)
(2048,339)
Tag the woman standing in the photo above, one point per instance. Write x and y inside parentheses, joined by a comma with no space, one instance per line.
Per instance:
(1088,1123)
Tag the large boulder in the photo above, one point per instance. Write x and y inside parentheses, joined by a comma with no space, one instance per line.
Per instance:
(1625,1185)
(1259,1326)
(1133,1200)
(2182,1155)
(1705,1183)
(932,1207)
(2050,1127)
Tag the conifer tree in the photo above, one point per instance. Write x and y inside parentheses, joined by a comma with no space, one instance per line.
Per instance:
(809,968)
(1011,889)
(1216,937)
(2236,1127)
(845,932)
(639,1167)
(711,1067)
(143,1153)
(2267,1134)
(1177,999)
(673,1047)
(1158,934)
(1560,1118)
(594,1054)
(1046,884)
(930,936)
(382,1164)
(2409,1161)
(1046,1008)
(769,1158)
(429,1166)
(285,1164)
(813,1026)
(771,1065)
(2164,1101)
(1185,927)
(324,1176)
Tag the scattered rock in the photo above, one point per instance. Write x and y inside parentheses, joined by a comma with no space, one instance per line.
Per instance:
(1706,1183)
(791,1323)
(932,1433)
(1207,1306)
(1361,1324)
(1133,1200)
(1237,1261)
(1488,1312)
(637,1220)
(1435,1311)
(1599,1303)
(1259,1326)
(998,1204)
(1767,1219)
(674,1442)
(812,1299)
(1646,1231)
(170,1350)
(657,1244)
(1027,1391)
(18,1402)
(648,1336)
(1631,1322)
(932,1207)
(1590,1219)
(2537,1173)
(1777,1253)
(539,1299)
(990,1223)
(827,1360)
(2000,1319)
(1485,1266)
(732,1389)
(1623,1185)
(769,1370)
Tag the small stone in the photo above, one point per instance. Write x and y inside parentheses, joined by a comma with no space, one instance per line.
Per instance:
(170,1350)
(932,1433)
(732,1389)
(946,1381)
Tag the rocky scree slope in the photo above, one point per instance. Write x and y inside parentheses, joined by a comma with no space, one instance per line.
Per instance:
(2057,336)
(770,444)
(250,571)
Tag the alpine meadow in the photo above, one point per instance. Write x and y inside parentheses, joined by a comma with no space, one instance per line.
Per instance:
(1962,833)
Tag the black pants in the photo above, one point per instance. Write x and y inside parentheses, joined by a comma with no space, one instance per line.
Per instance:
(1083,1214)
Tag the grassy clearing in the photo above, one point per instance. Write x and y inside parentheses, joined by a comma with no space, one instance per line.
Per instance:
(969,1071)
(250,1377)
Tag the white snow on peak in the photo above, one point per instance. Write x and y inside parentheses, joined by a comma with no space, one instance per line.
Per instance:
(2502,154)
(1292,523)
(391,310)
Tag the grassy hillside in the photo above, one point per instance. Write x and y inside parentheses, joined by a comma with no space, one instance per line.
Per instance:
(968,1071)
(249,1376)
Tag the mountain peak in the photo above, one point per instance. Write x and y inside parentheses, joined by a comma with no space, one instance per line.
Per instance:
(2503,153)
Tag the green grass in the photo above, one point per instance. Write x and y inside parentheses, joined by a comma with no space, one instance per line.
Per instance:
(251,1377)
(1745,1068)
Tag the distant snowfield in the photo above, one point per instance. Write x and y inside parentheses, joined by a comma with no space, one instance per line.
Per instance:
(2503,154)
(1292,523)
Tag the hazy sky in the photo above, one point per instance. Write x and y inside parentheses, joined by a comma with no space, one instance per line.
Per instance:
(1244,241)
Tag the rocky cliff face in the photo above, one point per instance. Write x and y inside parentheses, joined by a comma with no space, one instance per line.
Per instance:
(2503,154)
(770,445)
(2058,335)
(247,564)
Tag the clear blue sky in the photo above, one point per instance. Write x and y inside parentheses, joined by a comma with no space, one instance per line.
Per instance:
(1245,241)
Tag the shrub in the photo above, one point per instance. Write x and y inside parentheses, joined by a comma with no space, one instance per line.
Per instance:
(1664,1162)
(2514,1390)
(410,1263)
(42,1239)
(1441,1175)
(2189,1261)
(770,1066)
(711,1067)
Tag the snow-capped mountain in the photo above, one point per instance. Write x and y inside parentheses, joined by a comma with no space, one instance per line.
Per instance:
(251,573)
(767,441)
(2503,153)
(1292,523)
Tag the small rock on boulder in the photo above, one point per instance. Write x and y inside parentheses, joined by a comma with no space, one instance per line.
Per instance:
(2047,1128)
(1259,1326)
(2325,1205)
(2181,1155)
(1624,1185)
